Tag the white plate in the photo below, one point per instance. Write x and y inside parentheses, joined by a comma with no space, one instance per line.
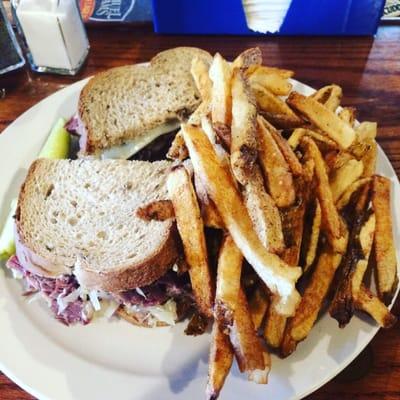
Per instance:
(115,360)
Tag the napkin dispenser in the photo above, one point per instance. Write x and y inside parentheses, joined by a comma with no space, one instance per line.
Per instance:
(303,17)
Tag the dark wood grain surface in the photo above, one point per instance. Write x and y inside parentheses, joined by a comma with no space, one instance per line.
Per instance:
(368,69)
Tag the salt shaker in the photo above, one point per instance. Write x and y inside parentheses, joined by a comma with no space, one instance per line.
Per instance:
(54,34)
(10,53)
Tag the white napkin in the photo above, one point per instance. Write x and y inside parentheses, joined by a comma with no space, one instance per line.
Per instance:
(265,15)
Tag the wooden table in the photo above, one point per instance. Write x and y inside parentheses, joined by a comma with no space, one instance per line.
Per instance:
(368,69)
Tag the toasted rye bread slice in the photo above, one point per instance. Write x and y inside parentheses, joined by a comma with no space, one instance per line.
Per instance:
(80,216)
(123,103)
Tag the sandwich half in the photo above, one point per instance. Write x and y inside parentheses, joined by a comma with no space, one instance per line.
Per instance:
(80,243)
(123,109)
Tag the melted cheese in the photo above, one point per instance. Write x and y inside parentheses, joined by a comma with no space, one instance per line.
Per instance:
(131,147)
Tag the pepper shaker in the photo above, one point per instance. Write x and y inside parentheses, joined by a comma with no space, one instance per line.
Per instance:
(54,34)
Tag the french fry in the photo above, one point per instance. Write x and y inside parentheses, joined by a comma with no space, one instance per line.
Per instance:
(312,247)
(342,305)
(178,150)
(243,131)
(332,223)
(369,159)
(298,134)
(219,362)
(230,262)
(274,328)
(326,120)
(366,239)
(369,303)
(306,314)
(199,70)
(335,160)
(263,213)
(273,82)
(215,140)
(276,169)
(202,110)
(284,73)
(191,230)
(258,304)
(249,352)
(277,275)
(344,199)
(366,131)
(221,98)
(287,152)
(348,114)
(249,58)
(330,96)
(385,253)
(209,212)
(344,176)
(275,109)
(293,222)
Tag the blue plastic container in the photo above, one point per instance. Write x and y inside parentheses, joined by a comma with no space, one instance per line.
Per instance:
(304,17)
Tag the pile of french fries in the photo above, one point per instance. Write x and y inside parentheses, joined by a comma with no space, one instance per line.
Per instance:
(290,179)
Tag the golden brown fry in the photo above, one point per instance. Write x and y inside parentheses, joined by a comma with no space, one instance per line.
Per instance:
(366,131)
(336,159)
(284,73)
(221,99)
(159,210)
(273,82)
(369,303)
(211,217)
(300,325)
(293,226)
(369,159)
(330,96)
(249,58)
(202,110)
(209,212)
(230,262)
(178,150)
(385,253)
(344,199)
(258,304)
(191,229)
(219,362)
(263,213)
(298,133)
(331,221)
(243,131)
(199,71)
(276,169)
(314,237)
(278,276)
(274,328)
(287,152)
(247,346)
(293,222)
(348,114)
(326,120)
(366,238)
(275,109)
(344,176)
